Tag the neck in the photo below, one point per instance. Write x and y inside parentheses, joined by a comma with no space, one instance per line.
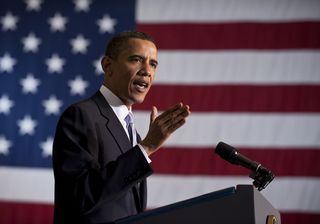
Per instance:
(127,104)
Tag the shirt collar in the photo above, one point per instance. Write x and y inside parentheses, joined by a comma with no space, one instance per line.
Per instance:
(115,102)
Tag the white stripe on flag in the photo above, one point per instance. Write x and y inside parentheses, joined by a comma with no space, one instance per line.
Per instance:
(243,129)
(283,193)
(259,67)
(168,11)
(26,184)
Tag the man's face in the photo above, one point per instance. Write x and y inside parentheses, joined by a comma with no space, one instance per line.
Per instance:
(130,75)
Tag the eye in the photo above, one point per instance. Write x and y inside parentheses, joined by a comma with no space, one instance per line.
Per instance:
(154,65)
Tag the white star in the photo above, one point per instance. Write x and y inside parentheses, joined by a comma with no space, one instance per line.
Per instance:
(4,145)
(33,5)
(98,67)
(82,5)
(55,64)
(9,21)
(52,105)
(46,147)
(7,63)
(30,84)
(79,44)
(27,125)
(78,86)
(106,24)
(31,43)
(57,22)
(5,104)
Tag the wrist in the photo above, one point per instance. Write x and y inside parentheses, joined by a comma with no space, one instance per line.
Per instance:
(147,147)
(144,152)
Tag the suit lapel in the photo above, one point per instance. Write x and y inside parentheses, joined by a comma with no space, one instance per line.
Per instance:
(113,124)
(115,128)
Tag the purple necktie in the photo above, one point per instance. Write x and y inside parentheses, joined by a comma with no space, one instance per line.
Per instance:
(129,121)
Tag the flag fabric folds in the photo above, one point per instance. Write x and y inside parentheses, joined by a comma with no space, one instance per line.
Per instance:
(248,69)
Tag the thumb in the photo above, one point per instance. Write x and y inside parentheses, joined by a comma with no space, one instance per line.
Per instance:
(154,114)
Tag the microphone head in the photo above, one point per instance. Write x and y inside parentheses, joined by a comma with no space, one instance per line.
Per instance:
(226,151)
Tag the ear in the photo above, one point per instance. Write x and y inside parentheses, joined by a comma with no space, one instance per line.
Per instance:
(105,63)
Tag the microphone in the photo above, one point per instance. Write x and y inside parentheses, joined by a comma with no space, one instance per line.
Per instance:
(261,175)
(229,153)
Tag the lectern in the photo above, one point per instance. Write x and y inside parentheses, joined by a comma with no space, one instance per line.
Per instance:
(242,204)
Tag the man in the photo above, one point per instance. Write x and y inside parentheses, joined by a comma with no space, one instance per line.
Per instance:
(99,168)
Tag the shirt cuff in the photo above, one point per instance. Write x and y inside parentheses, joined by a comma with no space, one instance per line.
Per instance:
(144,153)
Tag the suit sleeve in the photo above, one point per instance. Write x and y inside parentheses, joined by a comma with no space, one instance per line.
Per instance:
(80,178)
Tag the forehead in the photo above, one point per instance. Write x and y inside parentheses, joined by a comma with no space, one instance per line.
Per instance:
(139,46)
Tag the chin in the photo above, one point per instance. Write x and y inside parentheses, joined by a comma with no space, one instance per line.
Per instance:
(138,100)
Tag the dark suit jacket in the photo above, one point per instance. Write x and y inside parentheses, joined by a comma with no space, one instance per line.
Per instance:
(96,170)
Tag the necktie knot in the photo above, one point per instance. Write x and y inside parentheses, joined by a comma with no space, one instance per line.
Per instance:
(129,119)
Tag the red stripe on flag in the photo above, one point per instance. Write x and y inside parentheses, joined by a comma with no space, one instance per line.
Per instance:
(242,35)
(25,213)
(299,218)
(236,98)
(183,161)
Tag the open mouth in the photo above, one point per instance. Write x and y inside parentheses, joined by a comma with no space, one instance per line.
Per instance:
(140,85)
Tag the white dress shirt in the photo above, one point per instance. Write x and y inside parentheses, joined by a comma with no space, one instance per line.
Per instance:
(121,112)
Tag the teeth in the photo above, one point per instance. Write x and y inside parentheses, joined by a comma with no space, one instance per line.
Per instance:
(142,85)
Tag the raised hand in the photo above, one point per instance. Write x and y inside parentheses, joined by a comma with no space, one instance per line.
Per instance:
(162,126)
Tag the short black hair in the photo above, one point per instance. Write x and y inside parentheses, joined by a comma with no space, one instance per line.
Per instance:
(114,46)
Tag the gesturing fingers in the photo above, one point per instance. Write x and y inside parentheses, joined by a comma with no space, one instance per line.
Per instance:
(154,114)
(162,126)
(177,118)
(171,112)
(173,118)
(165,115)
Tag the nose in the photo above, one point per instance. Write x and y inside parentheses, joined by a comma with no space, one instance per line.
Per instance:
(146,69)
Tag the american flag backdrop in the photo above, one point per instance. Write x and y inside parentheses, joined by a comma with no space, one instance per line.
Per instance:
(249,69)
